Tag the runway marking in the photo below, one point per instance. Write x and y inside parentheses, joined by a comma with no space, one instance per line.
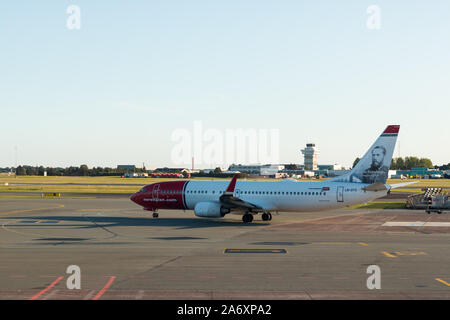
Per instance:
(24,211)
(4,226)
(95,210)
(363,244)
(312,220)
(140,295)
(175,277)
(89,295)
(442,281)
(273,277)
(415,224)
(15,276)
(335,242)
(103,290)
(387,254)
(37,295)
(254,251)
(49,221)
(239,277)
(30,210)
(207,277)
(412,253)
(340,278)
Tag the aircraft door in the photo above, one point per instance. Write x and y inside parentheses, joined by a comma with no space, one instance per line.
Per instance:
(155,191)
(340,194)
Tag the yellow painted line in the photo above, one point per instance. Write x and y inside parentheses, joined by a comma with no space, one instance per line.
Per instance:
(254,251)
(411,253)
(387,254)
(363,244)
(25,211)
(94,210)
(30,210)
(22,233)
(442,281)
(333,242)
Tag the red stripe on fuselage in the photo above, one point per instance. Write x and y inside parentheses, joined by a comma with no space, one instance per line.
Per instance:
(161,195)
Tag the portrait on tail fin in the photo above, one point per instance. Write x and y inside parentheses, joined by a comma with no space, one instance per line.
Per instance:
(377,172)
(374,165)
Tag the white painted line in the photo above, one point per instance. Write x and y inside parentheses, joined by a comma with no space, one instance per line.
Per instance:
(415,224)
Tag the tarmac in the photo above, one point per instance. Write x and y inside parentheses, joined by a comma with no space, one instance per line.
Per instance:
(124,253)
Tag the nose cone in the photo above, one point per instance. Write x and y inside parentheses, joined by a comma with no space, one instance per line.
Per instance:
(134,198)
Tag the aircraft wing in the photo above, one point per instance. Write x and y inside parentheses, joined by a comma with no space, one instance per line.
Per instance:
(399,185)
(230,201)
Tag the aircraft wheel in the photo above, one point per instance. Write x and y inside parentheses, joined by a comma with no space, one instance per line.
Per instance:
(155,215)
(247,217)
(265,216)
(270,216)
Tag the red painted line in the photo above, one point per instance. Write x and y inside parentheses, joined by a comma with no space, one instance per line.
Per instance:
(101,292)
(37,295)
(175,277)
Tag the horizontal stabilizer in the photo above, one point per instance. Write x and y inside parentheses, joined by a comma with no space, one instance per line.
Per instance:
(399,185)
(376,187)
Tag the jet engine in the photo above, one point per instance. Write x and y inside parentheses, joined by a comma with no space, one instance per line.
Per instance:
(209,209)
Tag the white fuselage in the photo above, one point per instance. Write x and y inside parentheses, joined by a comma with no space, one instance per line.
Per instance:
(286,195)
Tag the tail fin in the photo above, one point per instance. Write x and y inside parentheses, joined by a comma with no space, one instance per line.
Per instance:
(374,166)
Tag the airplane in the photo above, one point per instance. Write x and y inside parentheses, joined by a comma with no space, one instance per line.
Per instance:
(215,199)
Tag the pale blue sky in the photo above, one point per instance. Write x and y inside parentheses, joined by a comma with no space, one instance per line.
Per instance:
(115,90)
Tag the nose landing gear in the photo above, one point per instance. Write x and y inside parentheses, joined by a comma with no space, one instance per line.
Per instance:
(155,214)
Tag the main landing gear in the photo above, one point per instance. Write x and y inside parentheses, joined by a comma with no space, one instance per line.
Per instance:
(266,216)
(155,214)
(247,217)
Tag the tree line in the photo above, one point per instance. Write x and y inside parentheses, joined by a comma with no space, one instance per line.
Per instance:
(82,170)
(408,163)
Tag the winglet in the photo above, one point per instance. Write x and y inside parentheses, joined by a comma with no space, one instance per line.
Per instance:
(232,185)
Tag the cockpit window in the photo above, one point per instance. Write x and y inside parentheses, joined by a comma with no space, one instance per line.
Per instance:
(142,190)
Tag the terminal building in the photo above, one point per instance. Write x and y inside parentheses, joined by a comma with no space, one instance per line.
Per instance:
(257,169)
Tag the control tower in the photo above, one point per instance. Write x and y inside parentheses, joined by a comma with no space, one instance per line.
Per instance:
(310,153)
